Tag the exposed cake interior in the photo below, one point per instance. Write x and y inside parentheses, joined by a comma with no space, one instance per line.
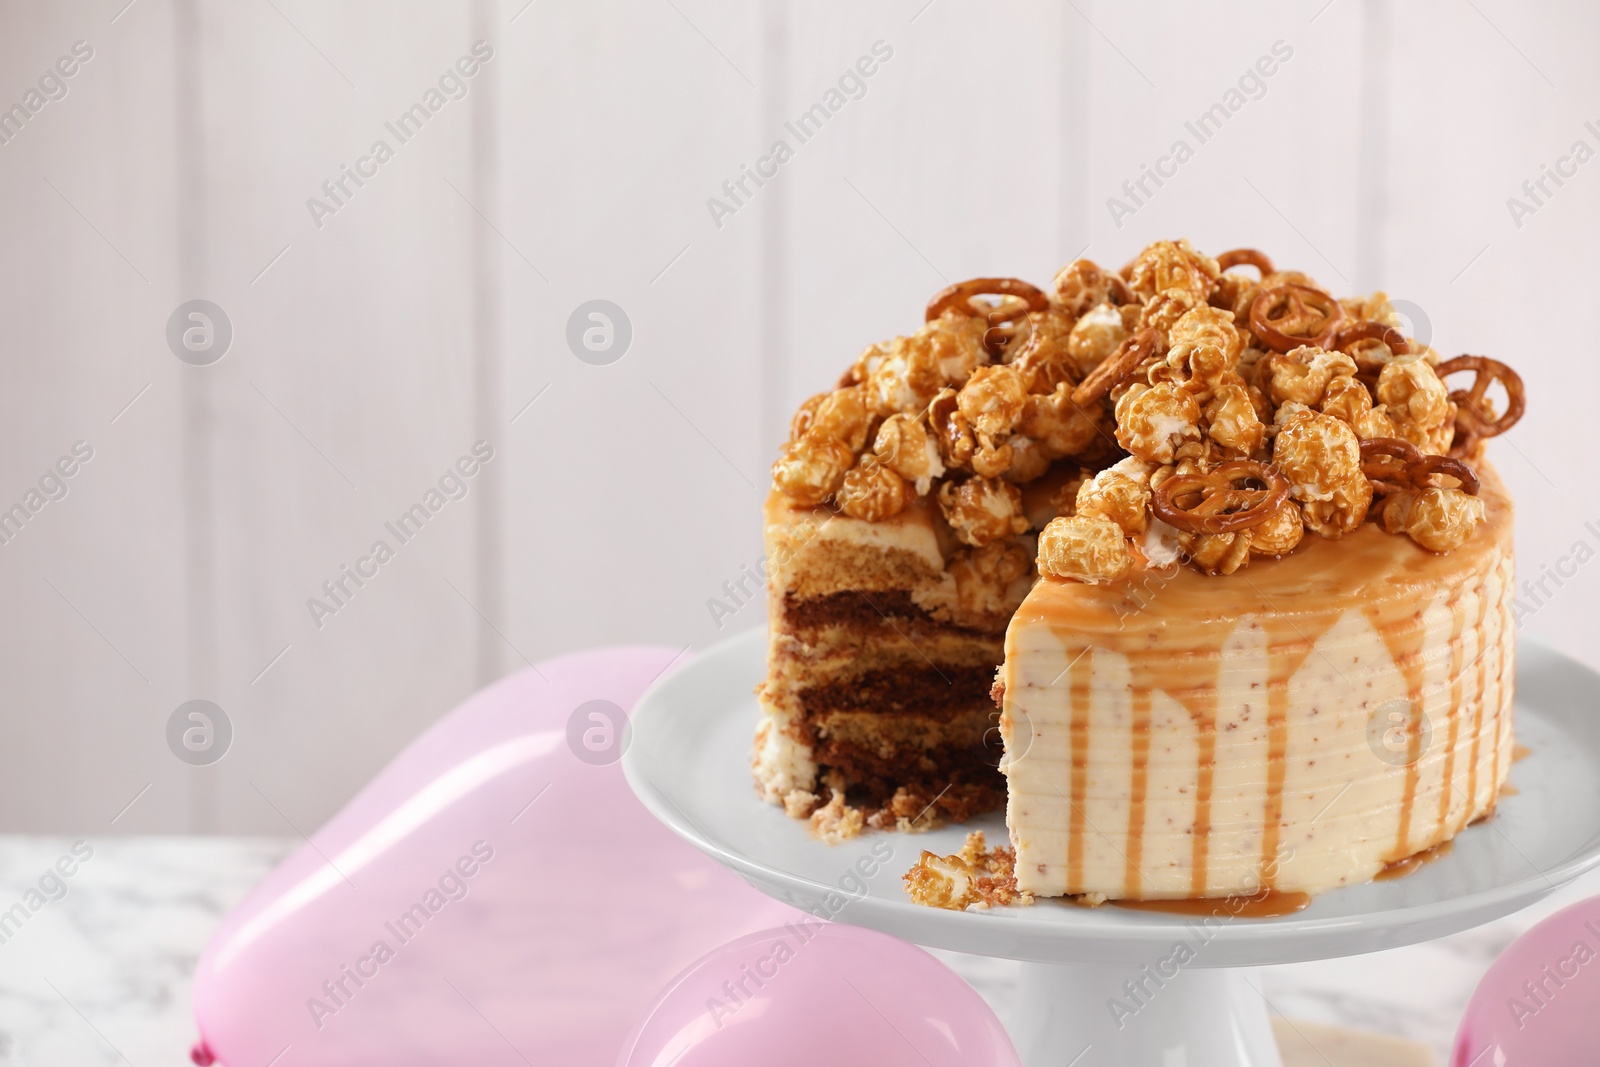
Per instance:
(884,641)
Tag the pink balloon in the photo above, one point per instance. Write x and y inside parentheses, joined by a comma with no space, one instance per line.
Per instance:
(495,896)
(813,993)
(1539,1005)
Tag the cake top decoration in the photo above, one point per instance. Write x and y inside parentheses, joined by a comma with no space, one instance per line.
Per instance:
(1184,407)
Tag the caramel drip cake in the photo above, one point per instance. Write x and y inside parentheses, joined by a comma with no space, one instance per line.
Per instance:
(1195,567)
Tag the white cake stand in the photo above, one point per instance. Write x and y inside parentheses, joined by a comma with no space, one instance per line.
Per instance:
(689,763)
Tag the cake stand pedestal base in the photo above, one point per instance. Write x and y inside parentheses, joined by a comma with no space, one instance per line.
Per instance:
(1105,1015)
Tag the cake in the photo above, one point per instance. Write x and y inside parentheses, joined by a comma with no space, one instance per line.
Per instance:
(1194,567)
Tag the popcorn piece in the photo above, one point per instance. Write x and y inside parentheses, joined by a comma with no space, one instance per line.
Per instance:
(991,580)
(1154,422)
(991,460)
(1094,337)
(845,416)
(1208,326)
(1119,494)
(1302,376)
(979,878)
(1173,265)
(1039,351)
(1219,553)
(810,469)
(1321,457)
(1166,308)
(906,447)
(803,415)
(913,369)
(1418,406)
(1082,285)
(1231,420)
(872,492)
(992,399)
(981,510)
(1059,426)
(1279,535)
(954,437)
(1437,519)
(1348,400)
(1028,460)
(1086,549)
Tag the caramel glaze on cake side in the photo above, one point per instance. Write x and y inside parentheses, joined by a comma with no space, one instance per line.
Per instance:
(1270,719)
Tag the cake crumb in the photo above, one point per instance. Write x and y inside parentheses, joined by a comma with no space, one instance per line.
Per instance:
(797,803)
(977,879)
(837,821)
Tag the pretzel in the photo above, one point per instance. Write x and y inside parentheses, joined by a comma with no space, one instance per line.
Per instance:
(1416,469)
(1245,257)
(1475,418)
(1222,508)
(1372,331)
(1278,315)
(1017,298)
(1116,367)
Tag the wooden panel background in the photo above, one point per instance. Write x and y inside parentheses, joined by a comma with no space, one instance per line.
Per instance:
(429,312)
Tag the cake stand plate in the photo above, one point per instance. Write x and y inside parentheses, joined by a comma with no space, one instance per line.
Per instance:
(1109,985)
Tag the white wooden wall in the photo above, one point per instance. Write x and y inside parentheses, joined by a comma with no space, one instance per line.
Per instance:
(431,309)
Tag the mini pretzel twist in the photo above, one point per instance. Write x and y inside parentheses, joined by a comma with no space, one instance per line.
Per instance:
(1396,466)
(1017,299)
(1223,507)
(1245,257)
(1288,316)
(1475,418)
(1116,367)
(1372,331)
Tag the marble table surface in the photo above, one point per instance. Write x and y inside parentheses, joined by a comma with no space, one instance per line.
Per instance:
(101,975)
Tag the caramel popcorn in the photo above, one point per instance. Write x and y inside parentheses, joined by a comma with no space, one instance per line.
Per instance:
(1231,420)
(992,400)
(1119,494)
(1302,376)
(845,416)
(1060,427)
(1220,553)
(1208,326)
(950,430)
(991,580)
(978,878)
(1081,285)
(981,510)
(906,447)
(1349,400)
(810,469)
(1173,265)
(1279,535)
(1169,368)
(1154,422)
(1437,519)
(1094,337)
(1419,405)
(1088,549)
(872,492)
(1321,457)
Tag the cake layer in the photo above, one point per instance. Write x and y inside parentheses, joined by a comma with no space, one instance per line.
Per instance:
(1297,725)
(880,664)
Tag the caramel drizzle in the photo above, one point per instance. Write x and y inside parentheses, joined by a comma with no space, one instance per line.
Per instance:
(1477,713)
(1199,860)
(1457,621)
(1132,884)
(1079,692)
(1405,639)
